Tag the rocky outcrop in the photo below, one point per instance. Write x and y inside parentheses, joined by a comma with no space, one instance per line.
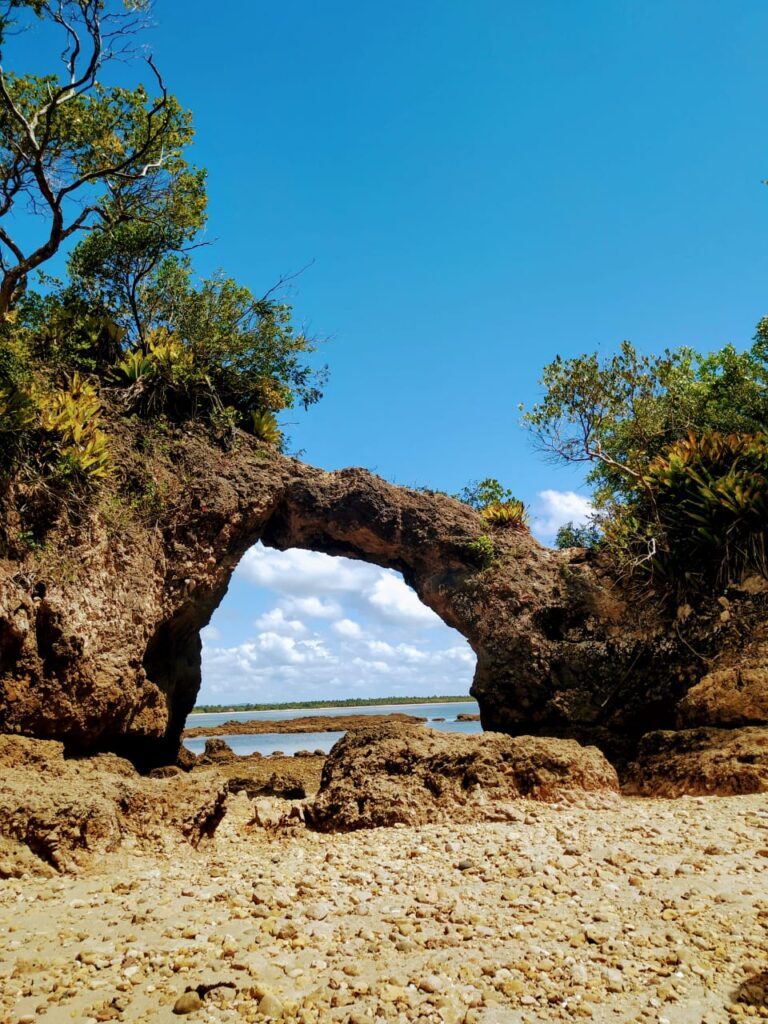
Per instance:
(728,698)
(385,776)
(725,762)
(102,603)
(306,723)
(65,810)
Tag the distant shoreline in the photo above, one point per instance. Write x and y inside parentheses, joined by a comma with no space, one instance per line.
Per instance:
(368,702)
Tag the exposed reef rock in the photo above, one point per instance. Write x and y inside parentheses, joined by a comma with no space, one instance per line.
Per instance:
(308,723)
(101,611)
(385,776)
(726,762)
(730,697)
(63,810)
(278,775)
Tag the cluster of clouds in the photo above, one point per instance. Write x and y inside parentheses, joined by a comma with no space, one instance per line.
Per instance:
(334,628)
(340,628)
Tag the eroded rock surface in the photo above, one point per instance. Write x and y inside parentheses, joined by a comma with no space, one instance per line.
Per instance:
(701,761)
(727,698)
(411,776)
(100,618)
(65,810)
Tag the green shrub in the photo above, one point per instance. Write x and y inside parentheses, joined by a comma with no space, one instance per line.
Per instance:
(711,502)
(482,550)
(480,494)
(585,535)
(162,377)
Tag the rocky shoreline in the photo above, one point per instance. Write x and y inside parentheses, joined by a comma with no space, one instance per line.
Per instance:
(648,911)
(423,876)
(311,723)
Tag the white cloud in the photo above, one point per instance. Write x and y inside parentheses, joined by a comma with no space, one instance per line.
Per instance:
(552,509)
(279,649)
(210,634)
(304,579)
(348,628)
(313,607)
(394,599)
(304,573)
(275,621)
(335,628)
(380,647)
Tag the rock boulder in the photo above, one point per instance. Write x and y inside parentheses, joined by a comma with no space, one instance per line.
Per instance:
(64,810)
(708,762)
(385,776)
(730,698)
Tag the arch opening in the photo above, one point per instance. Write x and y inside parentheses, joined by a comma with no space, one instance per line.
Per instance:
(302,627)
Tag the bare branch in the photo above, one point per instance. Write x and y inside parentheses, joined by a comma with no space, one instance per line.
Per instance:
(48,174)
(284,279)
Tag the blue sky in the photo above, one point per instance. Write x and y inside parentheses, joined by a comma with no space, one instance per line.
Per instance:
(479,186)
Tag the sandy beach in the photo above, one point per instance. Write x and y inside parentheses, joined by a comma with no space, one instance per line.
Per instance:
(644,910)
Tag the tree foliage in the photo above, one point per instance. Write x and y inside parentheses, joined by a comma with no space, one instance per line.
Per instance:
(81,155)
(99,171)
(618,413)
(573,535)
(675,445)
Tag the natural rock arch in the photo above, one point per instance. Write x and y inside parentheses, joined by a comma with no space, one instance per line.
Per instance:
(100,639)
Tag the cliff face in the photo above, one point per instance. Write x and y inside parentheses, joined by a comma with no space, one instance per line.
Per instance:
(100,620)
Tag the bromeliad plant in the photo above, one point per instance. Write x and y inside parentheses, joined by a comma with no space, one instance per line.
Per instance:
(711,497)
(72,417)
(510,514)
(265,428)
(162,376)
(165,377)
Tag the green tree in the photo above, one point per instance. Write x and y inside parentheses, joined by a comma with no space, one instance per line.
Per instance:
(571,535)
(482,494)
(118,269)
(82,155)
(240,351)
(676,449)
(618,413)
(104,167)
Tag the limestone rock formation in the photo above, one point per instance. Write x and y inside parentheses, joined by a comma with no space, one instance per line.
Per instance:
(730,697)
(100,614)
(384,776)
(725,762)
(62,810)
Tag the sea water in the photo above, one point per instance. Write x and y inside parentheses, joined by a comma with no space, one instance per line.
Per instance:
(289,743)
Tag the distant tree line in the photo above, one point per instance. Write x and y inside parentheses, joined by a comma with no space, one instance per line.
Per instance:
(352,702)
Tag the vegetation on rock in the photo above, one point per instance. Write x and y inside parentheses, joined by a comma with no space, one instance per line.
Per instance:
(103,173)
(497,505)
(676,445)
(571,535)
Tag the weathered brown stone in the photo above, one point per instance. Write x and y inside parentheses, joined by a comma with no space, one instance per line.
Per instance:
(100,626)
(388,775)
(63,809)
(722,762)
(730,697)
